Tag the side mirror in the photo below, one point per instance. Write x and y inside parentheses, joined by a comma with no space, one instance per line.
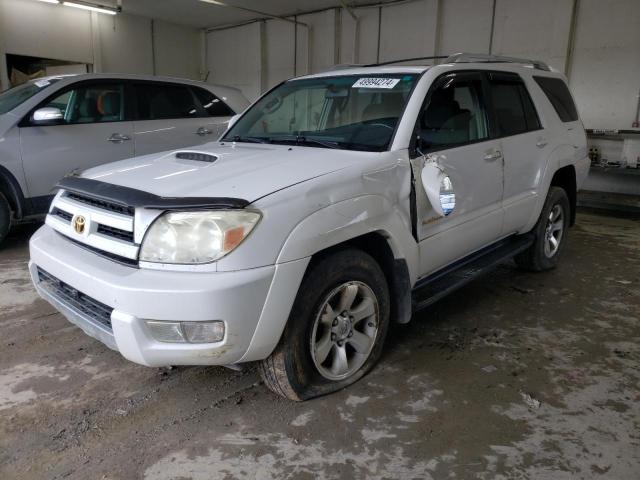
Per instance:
(48,115)
(439,188)
(233,120)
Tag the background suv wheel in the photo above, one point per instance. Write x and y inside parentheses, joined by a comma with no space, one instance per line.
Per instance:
(550,233)
(336,328)
(5,217)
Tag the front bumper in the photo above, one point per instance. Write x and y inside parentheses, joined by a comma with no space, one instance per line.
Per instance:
(237,298)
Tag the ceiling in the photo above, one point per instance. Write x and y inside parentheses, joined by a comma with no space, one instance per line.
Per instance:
(198,14)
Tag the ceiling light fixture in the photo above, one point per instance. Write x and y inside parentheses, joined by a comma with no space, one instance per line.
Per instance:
(93,7)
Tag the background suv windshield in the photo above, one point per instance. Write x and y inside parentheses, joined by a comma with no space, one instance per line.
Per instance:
(356,112)
(13,97)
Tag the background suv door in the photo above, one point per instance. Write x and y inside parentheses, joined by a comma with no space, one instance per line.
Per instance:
(525,146)
(171,116)
(95,129)
(454,125)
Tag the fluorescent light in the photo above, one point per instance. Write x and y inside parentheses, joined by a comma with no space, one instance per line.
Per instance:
(92,7)
(50,1)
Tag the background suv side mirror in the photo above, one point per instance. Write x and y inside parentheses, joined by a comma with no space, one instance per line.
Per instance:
(47,116)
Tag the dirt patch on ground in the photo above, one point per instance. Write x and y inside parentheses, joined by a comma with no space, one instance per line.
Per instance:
(518,375)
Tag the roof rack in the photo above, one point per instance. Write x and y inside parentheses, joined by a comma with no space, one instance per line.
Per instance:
(483,58)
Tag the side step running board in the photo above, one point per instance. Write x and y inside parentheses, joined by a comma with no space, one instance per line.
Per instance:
(440,284)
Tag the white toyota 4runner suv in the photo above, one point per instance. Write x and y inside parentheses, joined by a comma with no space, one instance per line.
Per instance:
(337,203)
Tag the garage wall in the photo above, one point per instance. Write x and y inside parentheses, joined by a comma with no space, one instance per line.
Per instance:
(604,68)
(120,44)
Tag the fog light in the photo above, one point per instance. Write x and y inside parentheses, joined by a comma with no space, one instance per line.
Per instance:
(186,332)
(166,331)
(203,332)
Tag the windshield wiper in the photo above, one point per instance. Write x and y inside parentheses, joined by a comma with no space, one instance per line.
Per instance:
(240,138)
(302,140)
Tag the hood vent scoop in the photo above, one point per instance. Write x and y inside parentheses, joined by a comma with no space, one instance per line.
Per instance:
(198,157)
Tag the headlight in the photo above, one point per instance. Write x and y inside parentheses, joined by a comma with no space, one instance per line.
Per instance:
(196,237)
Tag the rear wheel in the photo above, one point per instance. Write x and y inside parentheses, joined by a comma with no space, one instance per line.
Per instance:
(5,217)
(550,233)
(336,328)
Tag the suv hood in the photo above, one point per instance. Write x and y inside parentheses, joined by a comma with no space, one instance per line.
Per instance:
(245,171)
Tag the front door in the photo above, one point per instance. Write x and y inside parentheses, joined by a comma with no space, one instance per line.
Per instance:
(453,130)
(94,130)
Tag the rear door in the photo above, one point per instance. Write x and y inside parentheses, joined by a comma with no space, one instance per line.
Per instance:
(95,129)
(524,143)
(218,114)
(169,116)
(454,129)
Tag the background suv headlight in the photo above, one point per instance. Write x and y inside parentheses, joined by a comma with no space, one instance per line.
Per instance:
(196,237)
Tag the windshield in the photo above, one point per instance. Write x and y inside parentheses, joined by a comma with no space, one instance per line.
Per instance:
(352,112)
(13,97)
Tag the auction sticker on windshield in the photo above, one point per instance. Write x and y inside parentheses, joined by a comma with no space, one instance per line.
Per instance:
(376,83)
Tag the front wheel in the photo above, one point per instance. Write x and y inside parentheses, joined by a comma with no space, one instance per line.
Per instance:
(550,233)
(336,328)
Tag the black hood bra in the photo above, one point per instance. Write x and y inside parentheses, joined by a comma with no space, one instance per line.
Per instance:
(131,197)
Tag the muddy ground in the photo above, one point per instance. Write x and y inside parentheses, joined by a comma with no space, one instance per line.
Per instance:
(517,375)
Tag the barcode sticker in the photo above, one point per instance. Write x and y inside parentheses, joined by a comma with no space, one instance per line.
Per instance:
(376,83)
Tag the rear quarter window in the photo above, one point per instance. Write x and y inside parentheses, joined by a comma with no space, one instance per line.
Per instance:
(558,94)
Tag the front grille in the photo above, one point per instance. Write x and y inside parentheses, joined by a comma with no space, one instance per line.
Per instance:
(115,233)
(103,204)
(75,300)
(66,216)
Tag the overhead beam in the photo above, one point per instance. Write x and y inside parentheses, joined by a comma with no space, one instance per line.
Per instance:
(221,3)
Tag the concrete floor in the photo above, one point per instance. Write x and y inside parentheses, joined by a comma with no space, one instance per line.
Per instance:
(518,375)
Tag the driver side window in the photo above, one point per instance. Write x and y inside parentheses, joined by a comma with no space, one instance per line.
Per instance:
(454,113)
(92,103)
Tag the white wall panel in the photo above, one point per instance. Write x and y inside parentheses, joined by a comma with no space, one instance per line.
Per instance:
(177,50)
(233,58)
(125,44)
(119,44)
(537,29)
(465,27)
(42,30)
(408,30)
(367,44)
(317,44)
(605,74)
(279,51)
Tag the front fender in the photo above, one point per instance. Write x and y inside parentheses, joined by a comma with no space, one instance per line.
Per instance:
(348,219)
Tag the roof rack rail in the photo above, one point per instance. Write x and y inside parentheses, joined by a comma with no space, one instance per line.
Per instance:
(402,60)
(481,57)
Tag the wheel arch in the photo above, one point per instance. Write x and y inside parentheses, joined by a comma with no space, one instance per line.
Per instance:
(10,188)
(565,178)
(396,270)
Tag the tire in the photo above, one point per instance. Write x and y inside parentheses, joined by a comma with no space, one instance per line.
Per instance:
(295,369)
(5,218)
(553,225)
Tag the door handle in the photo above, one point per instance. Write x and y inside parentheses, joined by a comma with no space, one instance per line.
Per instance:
(118,138)
(202,131)
(541,143)
(495,155)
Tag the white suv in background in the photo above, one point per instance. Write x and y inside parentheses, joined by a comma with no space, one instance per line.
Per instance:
(55,125)
(336,203)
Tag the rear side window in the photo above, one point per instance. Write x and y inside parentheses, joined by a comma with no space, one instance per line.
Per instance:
(514,111)
(558,94)
(212,104)
(157,102)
